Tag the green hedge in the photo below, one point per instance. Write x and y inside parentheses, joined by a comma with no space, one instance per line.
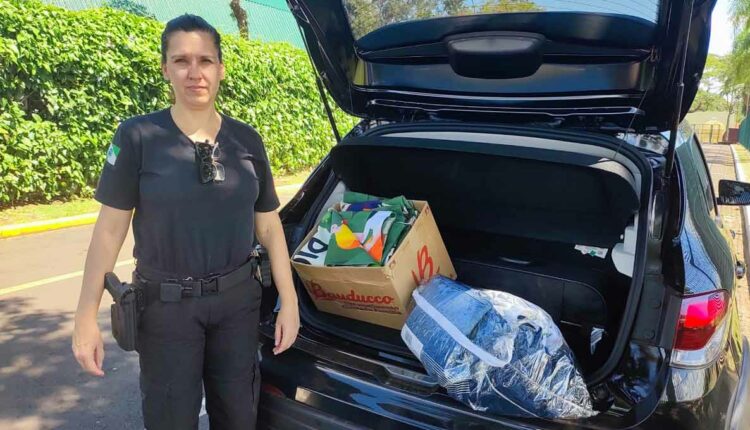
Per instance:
(68,78)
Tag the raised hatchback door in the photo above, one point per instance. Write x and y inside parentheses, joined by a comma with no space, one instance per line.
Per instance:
(613,61)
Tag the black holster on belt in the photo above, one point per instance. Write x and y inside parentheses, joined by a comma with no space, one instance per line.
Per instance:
(125,311)
(263,274)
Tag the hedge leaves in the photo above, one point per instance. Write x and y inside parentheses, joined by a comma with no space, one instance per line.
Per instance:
(67,78)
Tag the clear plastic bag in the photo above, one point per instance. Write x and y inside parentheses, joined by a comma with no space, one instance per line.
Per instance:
(495,352)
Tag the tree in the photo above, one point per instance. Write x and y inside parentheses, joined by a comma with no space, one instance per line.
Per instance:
(738,72)
(720,89)
(708,101)
(240,16)
(502,6)
(368,15)
(130,6)
(455,7)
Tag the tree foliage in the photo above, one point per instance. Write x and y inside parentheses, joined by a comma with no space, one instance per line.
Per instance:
(68,78)
(130,6)
(368,15)
(708,101)
(504,6)
(737,73)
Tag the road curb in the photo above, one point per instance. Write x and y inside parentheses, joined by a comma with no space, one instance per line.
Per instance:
(74,221)
(745,210)
(47,225)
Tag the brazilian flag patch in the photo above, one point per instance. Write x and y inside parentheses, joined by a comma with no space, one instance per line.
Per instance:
(112,153)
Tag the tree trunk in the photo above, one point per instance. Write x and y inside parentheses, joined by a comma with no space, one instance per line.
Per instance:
(734,97)
(240,16)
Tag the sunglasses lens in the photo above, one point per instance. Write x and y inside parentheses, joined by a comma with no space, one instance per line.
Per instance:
(207,172)
(204,150)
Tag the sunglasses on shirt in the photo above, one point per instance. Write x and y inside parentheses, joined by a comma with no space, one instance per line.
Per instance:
(209,170)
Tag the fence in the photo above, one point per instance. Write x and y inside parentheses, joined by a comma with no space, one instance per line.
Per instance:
(709,133)
(267,20)
(744,135)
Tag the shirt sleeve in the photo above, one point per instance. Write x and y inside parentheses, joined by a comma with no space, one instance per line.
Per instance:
(267,198)
(119,182)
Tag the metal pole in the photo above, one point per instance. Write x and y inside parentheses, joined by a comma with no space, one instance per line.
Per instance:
(680,87)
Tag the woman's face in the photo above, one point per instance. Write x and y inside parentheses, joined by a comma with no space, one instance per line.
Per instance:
(193,68)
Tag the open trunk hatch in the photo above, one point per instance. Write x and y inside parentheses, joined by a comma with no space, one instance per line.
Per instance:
(609,63)
(519,213)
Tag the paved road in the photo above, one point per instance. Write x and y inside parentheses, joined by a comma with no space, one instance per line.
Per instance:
(41,386)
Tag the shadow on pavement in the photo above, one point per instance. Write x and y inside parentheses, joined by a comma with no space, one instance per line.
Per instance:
(41,384)
(723,158)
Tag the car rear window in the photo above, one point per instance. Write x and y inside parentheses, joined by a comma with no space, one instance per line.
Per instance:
(369,15)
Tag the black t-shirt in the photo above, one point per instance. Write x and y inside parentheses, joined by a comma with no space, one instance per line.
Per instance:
(184,228)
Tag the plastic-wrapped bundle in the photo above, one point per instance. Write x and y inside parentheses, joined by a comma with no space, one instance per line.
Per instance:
(495,352)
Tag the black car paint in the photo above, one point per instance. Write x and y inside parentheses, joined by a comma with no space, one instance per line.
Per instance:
(592,77)
(331,381)
(326,382)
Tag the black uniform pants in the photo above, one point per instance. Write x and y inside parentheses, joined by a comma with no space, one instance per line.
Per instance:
(210,341)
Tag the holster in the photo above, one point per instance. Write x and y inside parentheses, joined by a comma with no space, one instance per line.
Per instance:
(263,274)
(125,311)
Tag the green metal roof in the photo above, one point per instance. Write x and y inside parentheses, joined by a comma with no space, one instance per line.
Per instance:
(268,20)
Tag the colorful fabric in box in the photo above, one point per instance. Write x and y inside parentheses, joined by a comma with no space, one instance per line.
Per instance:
(366,232)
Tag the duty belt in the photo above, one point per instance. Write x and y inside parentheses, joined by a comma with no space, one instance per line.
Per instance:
(173,290)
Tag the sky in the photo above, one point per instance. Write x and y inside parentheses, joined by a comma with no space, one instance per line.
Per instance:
(721,29)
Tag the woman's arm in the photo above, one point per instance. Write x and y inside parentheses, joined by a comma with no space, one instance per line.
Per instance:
(270,234)
(109,233)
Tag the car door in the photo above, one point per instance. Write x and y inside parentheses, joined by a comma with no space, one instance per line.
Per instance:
(701,207)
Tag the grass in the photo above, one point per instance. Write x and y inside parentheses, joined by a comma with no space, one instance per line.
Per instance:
(743,154)
(296,178)
(29,213)
(41,212)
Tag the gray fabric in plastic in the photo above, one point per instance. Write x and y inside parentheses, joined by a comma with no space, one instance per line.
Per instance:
(495,352)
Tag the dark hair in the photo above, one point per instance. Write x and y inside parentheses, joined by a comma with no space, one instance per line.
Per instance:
(188,23)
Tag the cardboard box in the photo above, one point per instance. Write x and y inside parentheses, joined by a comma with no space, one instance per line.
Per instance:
(380,295)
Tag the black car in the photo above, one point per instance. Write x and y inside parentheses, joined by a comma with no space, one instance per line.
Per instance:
(534,135)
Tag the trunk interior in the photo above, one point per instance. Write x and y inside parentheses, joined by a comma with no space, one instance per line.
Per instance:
(511,214)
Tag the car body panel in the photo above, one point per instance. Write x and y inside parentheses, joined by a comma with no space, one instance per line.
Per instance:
(612,68)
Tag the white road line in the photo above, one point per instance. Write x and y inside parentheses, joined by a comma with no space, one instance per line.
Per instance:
(45,281)
(26,286)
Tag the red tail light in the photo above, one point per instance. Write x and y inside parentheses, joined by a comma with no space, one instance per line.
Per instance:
(699,317)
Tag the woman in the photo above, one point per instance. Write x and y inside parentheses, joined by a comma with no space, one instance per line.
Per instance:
(201,185)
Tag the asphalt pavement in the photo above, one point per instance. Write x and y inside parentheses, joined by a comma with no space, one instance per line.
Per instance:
(41,384)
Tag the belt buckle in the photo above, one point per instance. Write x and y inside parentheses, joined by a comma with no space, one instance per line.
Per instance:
(210,286)
(170,291)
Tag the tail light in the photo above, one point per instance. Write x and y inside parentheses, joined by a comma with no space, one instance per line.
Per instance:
(700,315)
(701,328)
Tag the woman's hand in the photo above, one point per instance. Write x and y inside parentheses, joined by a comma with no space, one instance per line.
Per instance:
(88,346)
(109,233)
(270,234)
(287,326)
